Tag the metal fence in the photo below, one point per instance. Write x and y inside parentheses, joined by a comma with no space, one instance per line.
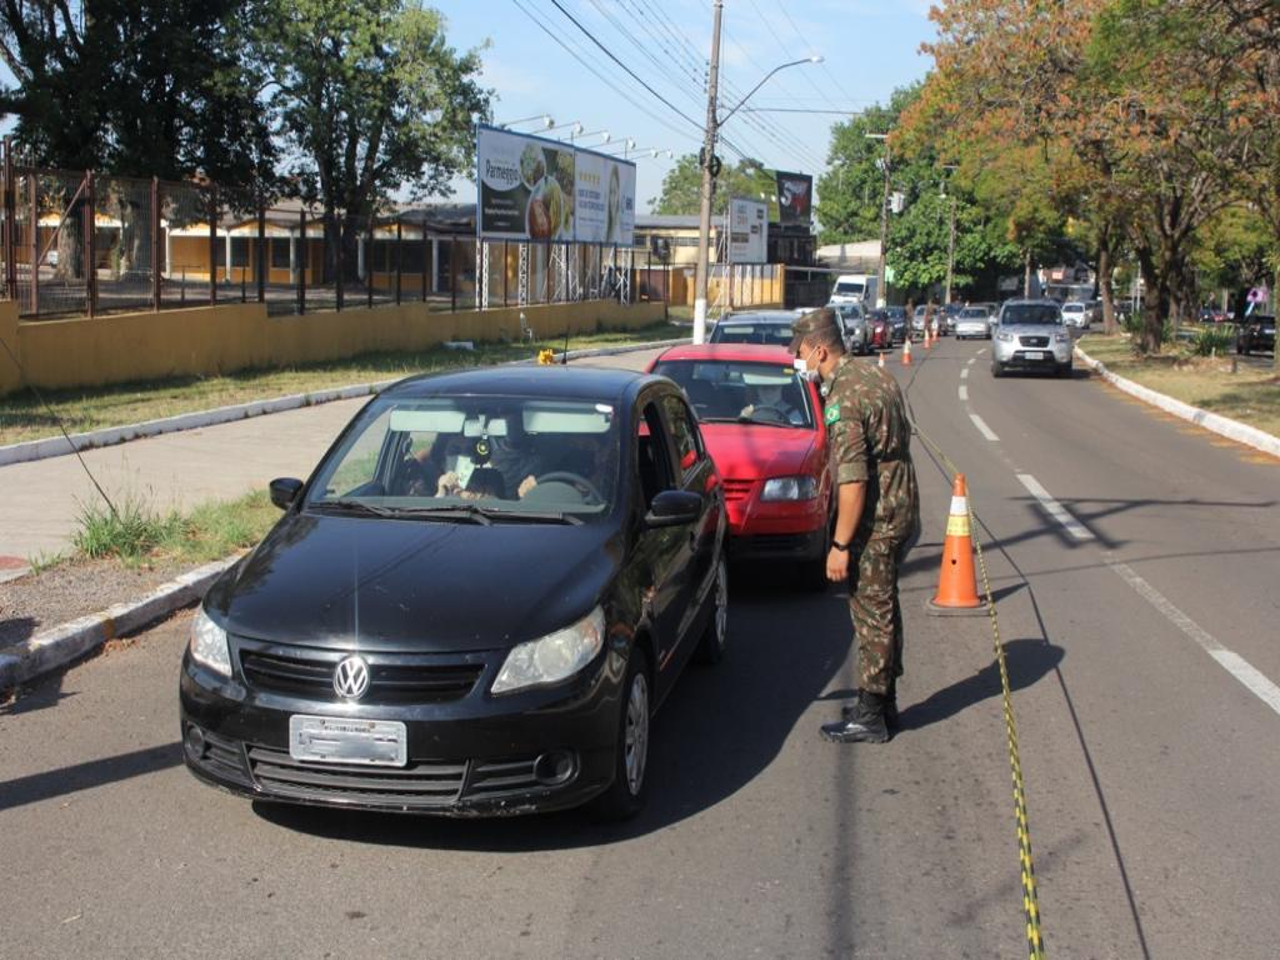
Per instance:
(79,243)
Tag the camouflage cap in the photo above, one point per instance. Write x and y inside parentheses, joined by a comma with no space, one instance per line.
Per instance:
(821,324)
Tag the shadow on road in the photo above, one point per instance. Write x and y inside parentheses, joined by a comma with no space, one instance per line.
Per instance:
(719,730)
(1028,661)
(86,776)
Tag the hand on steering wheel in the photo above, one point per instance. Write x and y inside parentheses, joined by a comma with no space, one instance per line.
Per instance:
(574,479)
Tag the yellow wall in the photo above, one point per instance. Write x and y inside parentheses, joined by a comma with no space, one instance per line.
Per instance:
(206,341)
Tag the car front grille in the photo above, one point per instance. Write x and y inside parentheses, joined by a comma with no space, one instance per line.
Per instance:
(1039,342)
(401,678)
(422,785)
(737,489)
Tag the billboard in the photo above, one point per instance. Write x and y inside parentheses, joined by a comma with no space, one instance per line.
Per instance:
(795,199)
(748,231)
(528,188)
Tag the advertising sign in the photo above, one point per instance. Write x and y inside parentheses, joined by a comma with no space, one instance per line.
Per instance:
(795,199)
(748,231)
(529,188)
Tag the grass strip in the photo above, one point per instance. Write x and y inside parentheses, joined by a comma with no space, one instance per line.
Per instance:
(1250,395)
(22,417)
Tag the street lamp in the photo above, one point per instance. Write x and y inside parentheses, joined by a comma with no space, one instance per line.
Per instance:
(575,124)
(882,293)
(711,166)
(577,132)
(544,119)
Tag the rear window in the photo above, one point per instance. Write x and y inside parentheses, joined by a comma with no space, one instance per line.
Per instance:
(973,313)
(1031,314)
(1073,308)
(850,289)
(775,334)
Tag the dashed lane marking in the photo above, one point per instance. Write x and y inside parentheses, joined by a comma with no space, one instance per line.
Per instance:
(983,428)
(964,374)
(1232,662)
(964,392)
(1056,510)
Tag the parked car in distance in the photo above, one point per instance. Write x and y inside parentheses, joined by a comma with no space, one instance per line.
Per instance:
(1075,314)
(879,330)
(764,428)
(917,320)
(472,607)
(973,322)
(853,319)
(1093,311)
(898,321)
(1031,336)
(761,327)
(1256,332)
(948,315)
(855,288)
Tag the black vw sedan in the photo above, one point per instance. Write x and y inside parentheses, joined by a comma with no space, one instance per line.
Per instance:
(472,607)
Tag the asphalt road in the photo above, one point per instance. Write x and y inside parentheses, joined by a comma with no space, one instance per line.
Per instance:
(1133,559)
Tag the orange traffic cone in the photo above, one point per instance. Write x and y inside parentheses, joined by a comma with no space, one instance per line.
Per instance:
(881,363)
(906,352)
(957,584)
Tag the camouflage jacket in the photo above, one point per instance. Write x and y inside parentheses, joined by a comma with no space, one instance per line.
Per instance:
(869,437)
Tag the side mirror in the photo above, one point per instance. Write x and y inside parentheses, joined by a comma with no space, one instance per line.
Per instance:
(284,490)
(673,508)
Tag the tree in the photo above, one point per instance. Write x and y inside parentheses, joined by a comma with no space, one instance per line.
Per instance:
(682,185)
(370,100)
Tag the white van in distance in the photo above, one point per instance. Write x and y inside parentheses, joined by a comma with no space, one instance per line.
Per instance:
(855,288)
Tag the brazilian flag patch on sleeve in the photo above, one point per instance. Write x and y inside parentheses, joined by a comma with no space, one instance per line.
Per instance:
(832,414)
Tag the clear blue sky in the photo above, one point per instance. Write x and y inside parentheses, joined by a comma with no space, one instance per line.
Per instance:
(870,48)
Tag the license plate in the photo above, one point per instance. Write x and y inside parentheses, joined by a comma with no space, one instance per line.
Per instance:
(1034,354)
(379,743)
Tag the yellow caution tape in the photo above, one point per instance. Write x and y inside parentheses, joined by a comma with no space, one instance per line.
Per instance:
(961,525)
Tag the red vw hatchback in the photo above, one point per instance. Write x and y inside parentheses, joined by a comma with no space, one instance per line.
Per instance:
(763,426)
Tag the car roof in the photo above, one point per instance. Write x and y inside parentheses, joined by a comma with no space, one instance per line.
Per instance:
(558,381)
(743,352)
(759,316)
(1042,302)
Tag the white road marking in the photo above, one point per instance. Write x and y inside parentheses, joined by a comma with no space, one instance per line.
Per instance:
(1054,508)
(983,428)
(964,392)
(964,374)
(972,361)
(981,353)
(1232,662)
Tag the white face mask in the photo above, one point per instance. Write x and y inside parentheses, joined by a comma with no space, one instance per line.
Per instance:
(802,368)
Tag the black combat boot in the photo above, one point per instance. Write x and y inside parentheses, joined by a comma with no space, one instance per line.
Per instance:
(890,708)
(866,725)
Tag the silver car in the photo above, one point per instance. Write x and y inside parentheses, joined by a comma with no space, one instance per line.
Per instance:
(854,320)
(973,322)
(1031,336)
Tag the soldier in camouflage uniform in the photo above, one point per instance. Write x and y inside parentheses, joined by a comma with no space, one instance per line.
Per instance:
(877,515)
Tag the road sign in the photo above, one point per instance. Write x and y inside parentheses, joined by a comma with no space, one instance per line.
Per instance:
(1259,295)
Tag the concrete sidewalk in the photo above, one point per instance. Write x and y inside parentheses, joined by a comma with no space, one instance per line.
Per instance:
(42,499)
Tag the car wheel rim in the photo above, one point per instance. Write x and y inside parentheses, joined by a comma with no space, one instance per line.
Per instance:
(636,747)
(722,605)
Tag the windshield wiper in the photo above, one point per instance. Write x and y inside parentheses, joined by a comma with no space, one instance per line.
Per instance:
(465,512)
(768,423)
(353,506)
(547,516)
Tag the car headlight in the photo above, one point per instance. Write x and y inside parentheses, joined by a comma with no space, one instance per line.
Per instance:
(1062,338)
(554,657)
(1005,337)
(790,488)
(208,645)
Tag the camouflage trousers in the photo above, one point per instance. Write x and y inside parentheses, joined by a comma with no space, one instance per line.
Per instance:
(876,613)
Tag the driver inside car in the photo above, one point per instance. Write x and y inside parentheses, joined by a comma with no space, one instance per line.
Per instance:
(769,401)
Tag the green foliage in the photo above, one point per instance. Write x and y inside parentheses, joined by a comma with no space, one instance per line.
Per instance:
(682,187)
(129,532)
(1211,341)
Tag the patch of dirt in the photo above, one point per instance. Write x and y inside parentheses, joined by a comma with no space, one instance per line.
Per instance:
(40,601)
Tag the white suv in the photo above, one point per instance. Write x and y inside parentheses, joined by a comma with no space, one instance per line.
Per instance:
(1031,336)
(1076,314)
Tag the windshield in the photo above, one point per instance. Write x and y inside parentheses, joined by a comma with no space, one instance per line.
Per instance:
(493,455)
(849,288)
(741,391)
(778,334)
(1031,314)
(973,313)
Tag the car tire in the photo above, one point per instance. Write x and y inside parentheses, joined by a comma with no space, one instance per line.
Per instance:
(1064,369)
(997,369)
(715,638)
(626,795)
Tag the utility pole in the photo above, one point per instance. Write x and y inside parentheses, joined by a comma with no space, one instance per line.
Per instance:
(951,249)
(708,184)
(882,293)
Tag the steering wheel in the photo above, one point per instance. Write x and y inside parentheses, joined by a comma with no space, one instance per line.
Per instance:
(768,414)
(574,479)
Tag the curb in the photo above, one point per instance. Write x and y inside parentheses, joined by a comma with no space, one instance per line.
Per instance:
(59,447)
(1224,426)
(54,648)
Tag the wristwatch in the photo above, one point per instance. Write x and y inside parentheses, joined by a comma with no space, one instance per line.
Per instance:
(837,545)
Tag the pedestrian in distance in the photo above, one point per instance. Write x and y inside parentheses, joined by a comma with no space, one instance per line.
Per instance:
(877,514)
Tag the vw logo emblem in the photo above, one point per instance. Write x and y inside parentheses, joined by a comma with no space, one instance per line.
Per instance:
(351,679)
